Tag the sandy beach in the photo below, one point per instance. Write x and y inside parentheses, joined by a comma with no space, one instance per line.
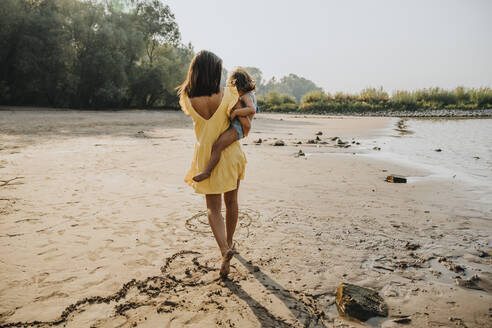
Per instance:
(98,228)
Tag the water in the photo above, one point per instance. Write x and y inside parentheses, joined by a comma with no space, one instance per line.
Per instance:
(466,150)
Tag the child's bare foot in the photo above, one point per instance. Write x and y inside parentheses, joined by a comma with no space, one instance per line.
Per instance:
(201,176)
(226,261)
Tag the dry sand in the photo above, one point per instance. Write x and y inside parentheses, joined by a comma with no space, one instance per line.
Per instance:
(99,229)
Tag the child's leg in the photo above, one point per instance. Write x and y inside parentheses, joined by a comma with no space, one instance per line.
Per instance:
(246,124)
(225,139)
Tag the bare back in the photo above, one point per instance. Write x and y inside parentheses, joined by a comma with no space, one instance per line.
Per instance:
(206,106)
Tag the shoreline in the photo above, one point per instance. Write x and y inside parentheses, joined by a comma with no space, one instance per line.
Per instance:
(100,210)
(427,113)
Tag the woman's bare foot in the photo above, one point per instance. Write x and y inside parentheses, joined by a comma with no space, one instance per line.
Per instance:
(226,261)
(202,176)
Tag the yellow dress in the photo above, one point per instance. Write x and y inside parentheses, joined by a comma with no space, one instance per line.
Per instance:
(232,162)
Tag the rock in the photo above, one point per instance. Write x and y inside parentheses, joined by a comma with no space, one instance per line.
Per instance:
(438,150)
(484,253)
(376,148)
(300,153)
(279,143)
(476,157)
(334,138)
(340,142)
(317,138)
(311,141)
(411,246)
(259,141)
(396,179)
(299,143)
(319,133)
(359,302)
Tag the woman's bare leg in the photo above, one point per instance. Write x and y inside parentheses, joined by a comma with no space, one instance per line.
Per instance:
(216,221)
(232,212)
(224,141)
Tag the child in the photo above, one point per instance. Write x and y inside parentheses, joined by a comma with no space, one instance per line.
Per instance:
(240,118)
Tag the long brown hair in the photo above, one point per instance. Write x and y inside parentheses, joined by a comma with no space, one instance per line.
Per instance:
(203,77)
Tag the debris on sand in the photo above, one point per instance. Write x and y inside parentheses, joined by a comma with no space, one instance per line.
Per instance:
(360,302)
(300,153)
(319,133)
(438,150)
(396,179)
(334,138)
(471,283)
(318,138)
(402,319)
(257,142)
(484,253)
(450,265)
(376,148)
(279,143)
(311,141)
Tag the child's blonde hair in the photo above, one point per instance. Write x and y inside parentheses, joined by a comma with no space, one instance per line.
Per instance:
(242,80)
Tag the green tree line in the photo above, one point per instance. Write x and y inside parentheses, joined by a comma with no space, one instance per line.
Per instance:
(88,54)
(374,99)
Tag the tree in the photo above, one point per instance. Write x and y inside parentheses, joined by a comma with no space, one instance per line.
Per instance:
(157,23)
(291,84)
(256,74)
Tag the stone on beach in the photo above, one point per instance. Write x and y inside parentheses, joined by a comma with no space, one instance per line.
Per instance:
(396,179)
(319,133)
(279,143)
(411,246)
(360,302)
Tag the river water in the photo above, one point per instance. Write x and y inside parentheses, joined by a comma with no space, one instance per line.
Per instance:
(465,151)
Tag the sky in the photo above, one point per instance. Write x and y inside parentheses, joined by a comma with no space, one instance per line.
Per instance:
(348,45)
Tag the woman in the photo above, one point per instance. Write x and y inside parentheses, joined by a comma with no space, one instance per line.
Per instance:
(209,105)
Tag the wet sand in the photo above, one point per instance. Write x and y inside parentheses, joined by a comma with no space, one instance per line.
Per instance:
(98,228)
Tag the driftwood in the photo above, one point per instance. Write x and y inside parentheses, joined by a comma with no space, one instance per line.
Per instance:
(8,182)
(359,302)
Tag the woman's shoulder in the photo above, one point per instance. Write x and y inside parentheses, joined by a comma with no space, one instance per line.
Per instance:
(231,91)
(231,96)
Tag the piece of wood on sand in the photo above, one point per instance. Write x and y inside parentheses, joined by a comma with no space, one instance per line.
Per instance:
(359,302)
(396,179)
